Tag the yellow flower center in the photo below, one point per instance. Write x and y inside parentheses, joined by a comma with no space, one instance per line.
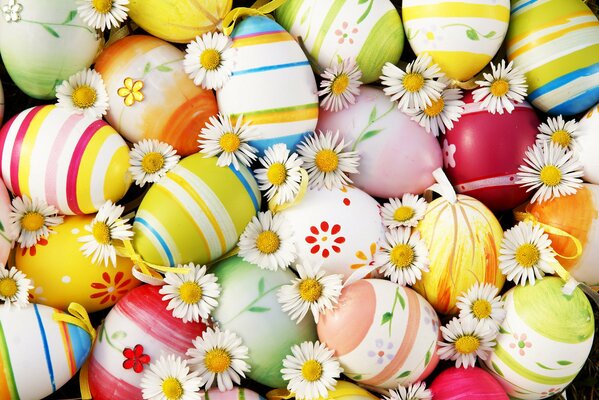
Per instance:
(340,84)
(312,370)
(467,344)
(190,293)
(84,96)
(32,221)
(210,59)
(310,290)
(402,255)
(413,82)
(8,287)
(277,174)
(217,360)
(326,160)
(528,255)
(268,242)
(101,232)
(481,309)
(435,108)
(551,175)
(500,88)
(102,6)
(172,389)
(229,142)
(403,213)
(561,137)
(152,162)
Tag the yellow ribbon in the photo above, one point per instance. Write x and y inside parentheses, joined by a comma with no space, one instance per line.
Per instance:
(260,7)
(275,208)
(466,85)
(79,317)
(86,393)
(280,394)
(127,250)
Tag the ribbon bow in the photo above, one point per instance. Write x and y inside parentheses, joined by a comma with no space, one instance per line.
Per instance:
(149,269)
(78,316)
(260,7)
(275,208)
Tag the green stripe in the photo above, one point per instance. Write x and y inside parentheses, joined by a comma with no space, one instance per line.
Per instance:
(8,374)
(241,394)
(326,25)
(277,110)
(287,13)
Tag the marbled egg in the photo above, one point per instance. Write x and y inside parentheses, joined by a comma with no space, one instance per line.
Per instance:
(588,142)
(6,231)
(466,383)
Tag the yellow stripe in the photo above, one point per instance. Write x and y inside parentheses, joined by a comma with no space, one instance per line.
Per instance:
(562,20)
(27,147)
(457,10)
(86,169)
(263,39)
(115,189)
(276,117)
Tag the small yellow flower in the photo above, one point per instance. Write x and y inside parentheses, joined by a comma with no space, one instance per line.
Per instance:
(131,91)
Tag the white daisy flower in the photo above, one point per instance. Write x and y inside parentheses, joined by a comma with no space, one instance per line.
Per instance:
(14,287)
(209,60)
(416,87)
(501,89)
(403,256)
(526,253)
(551,170)
(267,242)
(169,378)
(192,295)
(481,303)
(219,355)
(281,174)
(103,14)
(558,131)
(465,340)
(84,93)
(416,391)
(105,228)
(405,212)
(326,162)
(150,160)
(340,85)
(31,220)
(229,142)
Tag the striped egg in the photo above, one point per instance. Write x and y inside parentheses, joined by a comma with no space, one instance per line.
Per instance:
(368,31)
(141,323)
(462,37)
(38,354)
(237,393)
(384,334)
(272,84)
(588,140)
(6,233)
(556,43)
(196,213)
(70,161)
(173,109)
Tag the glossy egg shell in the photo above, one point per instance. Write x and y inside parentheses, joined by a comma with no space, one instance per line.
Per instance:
(237,393)
(588,140)
(466,383)
(6,231)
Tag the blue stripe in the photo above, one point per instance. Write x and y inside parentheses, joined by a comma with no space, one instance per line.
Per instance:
(270,68)
(291,141)
(578,104)
(80,344)
(169,255)
(563,80)
(46,349)
(255,24)
(247,187)
(521,6)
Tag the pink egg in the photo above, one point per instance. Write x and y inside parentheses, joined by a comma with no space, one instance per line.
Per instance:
(5,231)
(466,383)
(237,393)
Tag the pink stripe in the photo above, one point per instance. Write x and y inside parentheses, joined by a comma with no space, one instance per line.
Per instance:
(16,150)
(249,35)
(4,132)
(497,181)
(104,385)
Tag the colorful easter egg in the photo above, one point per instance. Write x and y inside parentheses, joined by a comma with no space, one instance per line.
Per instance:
(556,43)
(48,43)
(248,306)
(392,335)
(463,240)
(269,59)
(462,37)
(173,109)
(338,229)
(196,213)
(6,231)
(368,31)
(466,383)
(237,393)
(397,155)
(138,322)
(70,161)
(482,153)
(38,354)
(544,340)
(588,139)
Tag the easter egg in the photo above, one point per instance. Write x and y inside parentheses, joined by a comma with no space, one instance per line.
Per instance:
(463,240)
(47,44)
(397,155)
(384,334)
(6,231)
(70,161)
(369,32)
(237,393)
(268,60)
(348,391)
(588,139)
(556,44)
(466,383)
(482,153)
(178,21)
(173,109)
(38,354)
(461,37)
(338,229)
(249,307)
(62,274)
(139,322)
(196,213)
(544,340)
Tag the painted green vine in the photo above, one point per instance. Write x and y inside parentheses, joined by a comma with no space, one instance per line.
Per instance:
(117,335)
(253,306)
(367,132)
(388,316)
(48,26)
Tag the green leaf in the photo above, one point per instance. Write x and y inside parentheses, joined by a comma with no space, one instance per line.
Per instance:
(490,34)
(70,17)
(147,68)
(472,34)
(1,226)
(164,68)
(339,59)
(51,31)
(427,358)
(496,368)
(259,309)
(118,335)
(404,374)
(370,134)
(305,16)
(386,318)
(544,367)
(372,116)
(502,330)
(261,286)
(362,1)
(363,17)
(401,299)
(564,362)
(357,377)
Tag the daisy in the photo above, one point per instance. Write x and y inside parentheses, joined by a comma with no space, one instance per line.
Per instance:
(84,93)
(416,87)
(169,378)
(219,355)
(326,162)
(150,160)
(105,228)
(209,60)
(465,340)
(31,220)
(405,212)
(281,174)
(267,242)
(14,287)
(501,89)
(481,303)
(219,137)
(416,391)
(403,256)
(193,295)
(311,370)
(551,170)
(526,253)
(558,131)
(340,85)
(103,14)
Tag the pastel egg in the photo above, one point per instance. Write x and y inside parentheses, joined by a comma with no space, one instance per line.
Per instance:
(544,340)
(48,44)
(349,391)
(461,37)
(466,383)
(466,254)
(70,161)
(6,232)
(392,335)
(249,307)
(556,44)
(397,155)
(269,59)
(38,354)
(139,318)
(588,129)
(237,393)
(368,31)
(196,213)
(173,109)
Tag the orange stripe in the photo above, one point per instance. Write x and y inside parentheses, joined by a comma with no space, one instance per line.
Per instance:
(563,20)
(67,346)
(263,39)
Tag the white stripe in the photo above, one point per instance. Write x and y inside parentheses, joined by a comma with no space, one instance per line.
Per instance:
(41,154)
(8,146)
(101,165)
(566,92)
(470,108)
(260,55)
(527,8)
(412,3)
(157,226)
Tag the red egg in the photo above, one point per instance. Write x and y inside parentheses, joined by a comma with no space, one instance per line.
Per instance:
(466,383)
